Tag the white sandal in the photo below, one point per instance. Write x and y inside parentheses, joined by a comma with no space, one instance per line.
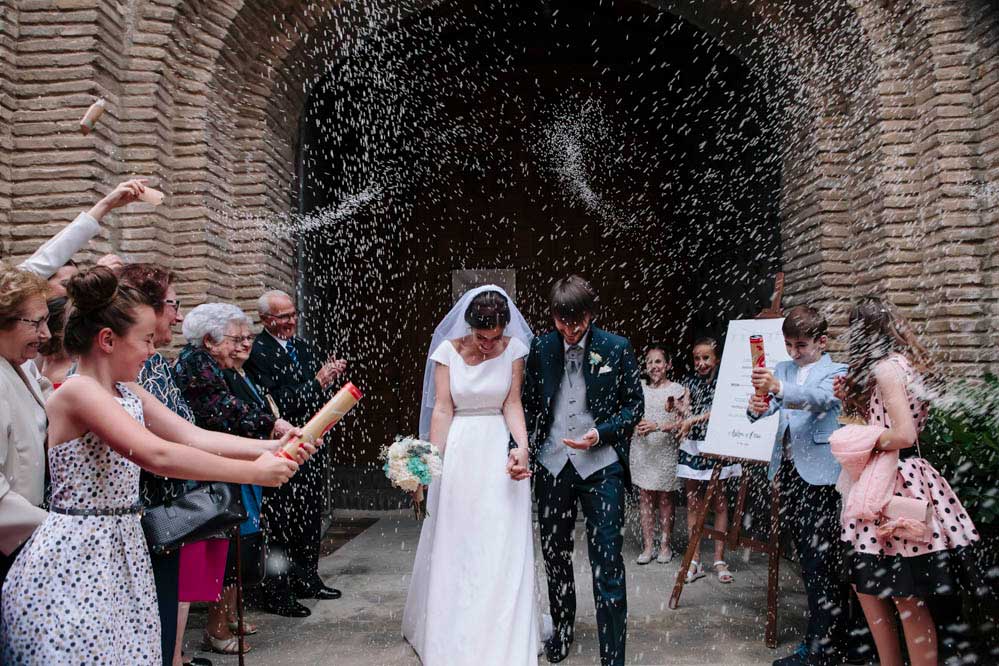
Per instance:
(645,558)
(223,645)
(724,575)
(695,572)
(665,556)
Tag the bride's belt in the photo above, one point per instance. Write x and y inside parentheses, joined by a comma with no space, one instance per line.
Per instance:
(481,411)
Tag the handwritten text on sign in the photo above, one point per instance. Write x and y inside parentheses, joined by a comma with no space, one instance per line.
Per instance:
(729,431)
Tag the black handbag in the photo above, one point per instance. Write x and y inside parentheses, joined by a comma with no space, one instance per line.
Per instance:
(204,512)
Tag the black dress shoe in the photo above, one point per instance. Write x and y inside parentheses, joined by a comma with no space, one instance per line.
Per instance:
(323,593)
(285,608)
(556,649)
(316,590)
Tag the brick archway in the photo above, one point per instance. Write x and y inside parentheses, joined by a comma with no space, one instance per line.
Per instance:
(890,152)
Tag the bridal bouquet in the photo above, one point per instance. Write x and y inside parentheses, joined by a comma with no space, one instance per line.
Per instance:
(411,463)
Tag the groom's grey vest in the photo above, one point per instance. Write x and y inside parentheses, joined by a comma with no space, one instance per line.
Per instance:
(571,419)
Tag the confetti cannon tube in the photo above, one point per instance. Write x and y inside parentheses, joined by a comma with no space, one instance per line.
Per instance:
(759,359)
(325,418)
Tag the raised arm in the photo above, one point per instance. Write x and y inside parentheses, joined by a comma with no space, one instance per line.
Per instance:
(59,249)
(902,433)
(82,405)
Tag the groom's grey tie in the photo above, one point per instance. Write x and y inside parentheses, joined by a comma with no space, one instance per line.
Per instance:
(573,359)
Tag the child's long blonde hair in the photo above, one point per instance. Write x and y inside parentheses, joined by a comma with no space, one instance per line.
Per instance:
(877,330)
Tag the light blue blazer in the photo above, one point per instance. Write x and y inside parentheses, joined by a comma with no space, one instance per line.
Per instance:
(810,411)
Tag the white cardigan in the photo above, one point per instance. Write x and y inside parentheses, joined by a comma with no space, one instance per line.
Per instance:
(22,456)
(59,249)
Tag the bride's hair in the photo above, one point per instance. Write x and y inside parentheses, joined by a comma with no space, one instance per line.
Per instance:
(488,310)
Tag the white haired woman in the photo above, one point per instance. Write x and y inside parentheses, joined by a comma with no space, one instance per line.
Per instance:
(218,340)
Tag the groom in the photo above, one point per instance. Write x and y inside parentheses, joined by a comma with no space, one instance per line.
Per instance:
(582,399)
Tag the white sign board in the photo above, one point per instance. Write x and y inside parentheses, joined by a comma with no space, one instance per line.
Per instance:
(730,432)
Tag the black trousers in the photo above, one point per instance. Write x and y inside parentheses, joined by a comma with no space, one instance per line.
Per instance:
(602,498)
(292,529)
(166,577)
(810,516)
(6,562)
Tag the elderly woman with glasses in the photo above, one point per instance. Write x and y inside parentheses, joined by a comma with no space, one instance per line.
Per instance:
(218,343)
(23,329)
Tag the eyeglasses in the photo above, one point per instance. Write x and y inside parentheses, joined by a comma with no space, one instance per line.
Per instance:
(35,323)
(287,316)
(172,302)
(241,339)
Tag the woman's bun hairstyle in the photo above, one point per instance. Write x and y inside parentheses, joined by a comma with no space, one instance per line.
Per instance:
(98,302)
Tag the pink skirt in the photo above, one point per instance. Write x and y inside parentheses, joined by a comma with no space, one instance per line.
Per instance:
(202,569)
(950,524)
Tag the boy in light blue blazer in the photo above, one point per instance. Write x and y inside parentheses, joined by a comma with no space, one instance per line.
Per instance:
(801,391)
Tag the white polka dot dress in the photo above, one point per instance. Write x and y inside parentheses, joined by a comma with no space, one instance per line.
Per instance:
(81,591)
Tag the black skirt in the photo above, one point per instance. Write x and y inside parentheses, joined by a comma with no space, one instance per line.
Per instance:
(944,572)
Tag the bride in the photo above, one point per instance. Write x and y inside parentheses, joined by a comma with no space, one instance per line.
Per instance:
(472,595)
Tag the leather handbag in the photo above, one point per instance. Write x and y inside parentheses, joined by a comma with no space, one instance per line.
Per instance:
(203,512)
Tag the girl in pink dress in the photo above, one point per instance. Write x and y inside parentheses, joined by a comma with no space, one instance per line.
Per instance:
(885,385)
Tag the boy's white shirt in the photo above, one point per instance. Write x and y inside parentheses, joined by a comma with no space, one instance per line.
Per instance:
(799,379)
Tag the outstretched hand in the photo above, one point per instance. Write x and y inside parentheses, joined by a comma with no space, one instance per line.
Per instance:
(303,451)
(585,443)
(122,195)
(272,470)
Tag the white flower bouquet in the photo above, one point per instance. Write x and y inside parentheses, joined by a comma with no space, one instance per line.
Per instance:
(410,464)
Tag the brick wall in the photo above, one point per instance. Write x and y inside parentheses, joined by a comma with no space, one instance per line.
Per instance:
(888,115)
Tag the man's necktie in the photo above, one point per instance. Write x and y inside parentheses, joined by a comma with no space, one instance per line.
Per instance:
(292,354)
(573,358)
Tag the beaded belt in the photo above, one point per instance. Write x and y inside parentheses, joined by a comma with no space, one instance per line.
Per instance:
(483,411)
(114,511)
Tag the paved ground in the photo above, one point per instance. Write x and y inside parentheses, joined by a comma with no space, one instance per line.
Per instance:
(715,624)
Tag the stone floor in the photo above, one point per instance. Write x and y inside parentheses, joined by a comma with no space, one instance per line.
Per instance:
(715,624)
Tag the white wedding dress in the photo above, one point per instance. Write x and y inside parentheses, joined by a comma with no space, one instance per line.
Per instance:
(472,595)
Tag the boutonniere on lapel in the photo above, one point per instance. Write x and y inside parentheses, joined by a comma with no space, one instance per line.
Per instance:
(595,361)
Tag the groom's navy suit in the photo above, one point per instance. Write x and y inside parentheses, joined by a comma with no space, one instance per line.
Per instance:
(557,404)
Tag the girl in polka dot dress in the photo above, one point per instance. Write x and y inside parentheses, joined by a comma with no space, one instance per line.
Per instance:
(81,591)
(891,572)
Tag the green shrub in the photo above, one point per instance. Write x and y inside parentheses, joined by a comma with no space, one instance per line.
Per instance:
(961,440)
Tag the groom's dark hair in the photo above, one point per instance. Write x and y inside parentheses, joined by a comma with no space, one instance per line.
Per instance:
(572,298)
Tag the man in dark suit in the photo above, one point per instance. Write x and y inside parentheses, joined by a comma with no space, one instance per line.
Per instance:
(291,370)
(582,399)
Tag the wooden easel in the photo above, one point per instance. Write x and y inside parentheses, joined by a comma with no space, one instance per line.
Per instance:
(732,537)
